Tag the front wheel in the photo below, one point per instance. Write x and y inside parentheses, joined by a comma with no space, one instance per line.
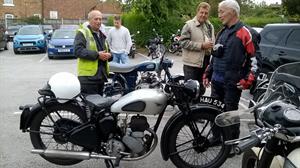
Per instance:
(198,148)
(48,130)
(249,159)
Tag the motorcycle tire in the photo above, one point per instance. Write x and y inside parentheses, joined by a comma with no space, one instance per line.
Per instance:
(115,87)
(42,122)
(183,153)
(249,159)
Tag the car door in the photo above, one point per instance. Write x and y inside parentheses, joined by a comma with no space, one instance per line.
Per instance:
(290,51)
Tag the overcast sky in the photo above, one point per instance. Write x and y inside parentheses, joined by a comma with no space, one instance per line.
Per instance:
(268,1)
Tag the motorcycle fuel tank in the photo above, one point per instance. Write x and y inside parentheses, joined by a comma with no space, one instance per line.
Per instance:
(142,101)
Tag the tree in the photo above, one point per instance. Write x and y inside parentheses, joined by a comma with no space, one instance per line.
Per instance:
(292,7)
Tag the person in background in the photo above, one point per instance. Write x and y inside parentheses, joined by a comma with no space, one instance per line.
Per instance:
(233,64)
(119,40)
(197,39)
(93,55)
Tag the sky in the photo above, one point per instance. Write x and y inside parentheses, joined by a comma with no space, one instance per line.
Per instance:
(268,1)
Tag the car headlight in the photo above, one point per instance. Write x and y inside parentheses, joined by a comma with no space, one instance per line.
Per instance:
(50,46)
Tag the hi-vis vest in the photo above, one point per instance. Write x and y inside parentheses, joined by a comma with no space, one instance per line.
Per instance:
(88,67)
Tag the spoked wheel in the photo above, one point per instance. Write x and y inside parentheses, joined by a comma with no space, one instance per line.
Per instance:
(114,88)
(188,151)
(48,130)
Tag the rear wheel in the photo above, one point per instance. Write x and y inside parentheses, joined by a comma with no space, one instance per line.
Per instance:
(186,151)
(48,130)
(16,51)
(5,47)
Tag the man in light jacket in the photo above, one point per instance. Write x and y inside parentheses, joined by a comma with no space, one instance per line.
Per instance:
(197,39)
(119,40)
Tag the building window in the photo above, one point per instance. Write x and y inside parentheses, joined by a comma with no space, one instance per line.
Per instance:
(8,3)
(8,19)
(53,14)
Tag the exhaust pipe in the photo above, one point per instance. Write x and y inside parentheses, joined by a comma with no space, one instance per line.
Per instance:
(61,154)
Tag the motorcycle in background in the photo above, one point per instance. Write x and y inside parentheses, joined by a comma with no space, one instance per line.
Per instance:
(276,141)
(155,46)
(124,78)
(133,47)
(66,127)
(175,44)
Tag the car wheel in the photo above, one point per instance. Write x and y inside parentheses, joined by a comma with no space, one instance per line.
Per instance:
(16,51)
(50,57)
(5,47)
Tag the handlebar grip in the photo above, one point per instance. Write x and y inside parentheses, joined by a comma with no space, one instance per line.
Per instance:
(248,144)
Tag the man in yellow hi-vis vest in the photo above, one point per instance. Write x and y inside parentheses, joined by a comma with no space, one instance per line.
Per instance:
(92,52)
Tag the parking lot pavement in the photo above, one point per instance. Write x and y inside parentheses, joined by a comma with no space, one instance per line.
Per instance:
(20,78)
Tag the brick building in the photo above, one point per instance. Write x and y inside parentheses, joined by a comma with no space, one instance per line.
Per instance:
(17,9)
(55,9)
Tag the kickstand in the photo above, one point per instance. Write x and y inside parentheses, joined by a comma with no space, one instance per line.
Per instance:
(109,163)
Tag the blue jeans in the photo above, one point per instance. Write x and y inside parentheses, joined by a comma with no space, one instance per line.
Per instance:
(121,58)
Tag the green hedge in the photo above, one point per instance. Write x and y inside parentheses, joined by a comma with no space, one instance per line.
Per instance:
(137,22)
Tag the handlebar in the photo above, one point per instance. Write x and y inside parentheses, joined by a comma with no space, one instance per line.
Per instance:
(253,141)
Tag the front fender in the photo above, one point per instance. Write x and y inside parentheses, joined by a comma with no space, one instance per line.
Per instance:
(178,116)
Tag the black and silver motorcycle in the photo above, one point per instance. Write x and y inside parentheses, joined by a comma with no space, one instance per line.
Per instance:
(155,46)
(132,51)
(275,142)
(175,44)
(66,127)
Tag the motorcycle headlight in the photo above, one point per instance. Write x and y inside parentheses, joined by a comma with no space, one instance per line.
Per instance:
(192,88)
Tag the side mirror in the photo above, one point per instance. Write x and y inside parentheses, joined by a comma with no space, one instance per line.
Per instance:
(15,33)
(44,33)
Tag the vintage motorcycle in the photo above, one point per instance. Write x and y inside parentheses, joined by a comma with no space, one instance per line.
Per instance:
(155,46)
(276,140)
(175,44)
(124,78)
(66,127)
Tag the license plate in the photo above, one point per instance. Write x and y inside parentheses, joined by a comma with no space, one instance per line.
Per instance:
(27,44)
(63,50)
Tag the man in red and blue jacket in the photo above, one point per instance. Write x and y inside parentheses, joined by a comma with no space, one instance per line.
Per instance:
(233,64)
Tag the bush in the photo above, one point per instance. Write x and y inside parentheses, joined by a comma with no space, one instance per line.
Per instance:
(33,20)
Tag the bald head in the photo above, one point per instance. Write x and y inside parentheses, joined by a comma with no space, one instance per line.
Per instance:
(95,19)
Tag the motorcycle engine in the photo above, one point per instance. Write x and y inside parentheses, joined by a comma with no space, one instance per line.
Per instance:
(135,134)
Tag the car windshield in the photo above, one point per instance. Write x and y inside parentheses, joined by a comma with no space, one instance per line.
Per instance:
(30,31)
(64,34)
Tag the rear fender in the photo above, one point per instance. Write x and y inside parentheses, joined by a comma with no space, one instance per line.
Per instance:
(175,119)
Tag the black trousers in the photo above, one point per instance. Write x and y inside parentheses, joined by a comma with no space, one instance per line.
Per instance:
(230,95)
(91,86)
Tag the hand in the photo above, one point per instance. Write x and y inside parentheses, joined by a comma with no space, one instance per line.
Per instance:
(104,56)
(246,83)
(205,81)
(207,45)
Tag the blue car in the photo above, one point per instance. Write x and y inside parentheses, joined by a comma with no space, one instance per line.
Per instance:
(30,38)
(61,43)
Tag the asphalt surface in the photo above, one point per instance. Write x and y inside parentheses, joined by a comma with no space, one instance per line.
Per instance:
(20,78)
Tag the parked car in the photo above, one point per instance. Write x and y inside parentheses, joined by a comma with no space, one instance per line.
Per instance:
(11,31)
(72,27)
(3,37)
(280,44)
(30,38)
(61,43)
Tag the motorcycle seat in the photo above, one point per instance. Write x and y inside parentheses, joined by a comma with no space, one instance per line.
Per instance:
(121,68)
(98,101)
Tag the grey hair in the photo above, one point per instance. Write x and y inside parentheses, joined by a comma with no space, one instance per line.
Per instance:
(232,4)
(91,14)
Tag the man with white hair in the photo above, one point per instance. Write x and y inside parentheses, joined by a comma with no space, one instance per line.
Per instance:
(233,64)
(93,55)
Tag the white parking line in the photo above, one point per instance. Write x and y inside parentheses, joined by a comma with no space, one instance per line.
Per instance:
(43,58)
